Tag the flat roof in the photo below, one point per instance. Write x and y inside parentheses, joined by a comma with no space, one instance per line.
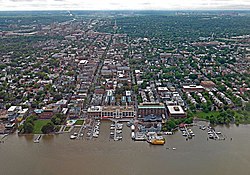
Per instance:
(95,109)
(12,108)
(175,109)
(162,88)
(193,87)
(151,105)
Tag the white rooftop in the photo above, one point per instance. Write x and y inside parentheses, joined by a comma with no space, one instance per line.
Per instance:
(175,109)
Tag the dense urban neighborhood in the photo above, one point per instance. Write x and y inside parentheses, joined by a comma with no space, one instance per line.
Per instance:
(68,70)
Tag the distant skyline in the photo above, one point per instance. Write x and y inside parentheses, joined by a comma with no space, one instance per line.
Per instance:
(14,5)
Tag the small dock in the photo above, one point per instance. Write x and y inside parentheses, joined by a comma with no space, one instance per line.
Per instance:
(215,135)
(81,131)
(187,132)
(117,131)
(2,138)
(37,139)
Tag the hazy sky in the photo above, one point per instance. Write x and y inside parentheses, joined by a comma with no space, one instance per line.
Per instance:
(123,4)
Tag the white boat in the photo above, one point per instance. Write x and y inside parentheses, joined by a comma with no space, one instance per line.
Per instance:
(117,138)
(112,128)
(174,148)
(96,127)
(218,132)
(168,133)
(211,136)
(118,131)
(118,127)
(184,134)
(73,137)
(112,133)
(132,127)
(95,135)
(133,135)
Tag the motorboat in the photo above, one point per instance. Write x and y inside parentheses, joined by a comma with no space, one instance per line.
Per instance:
(210,132)
(95,135)
(118,127)
(118,131)
(95,131)
(132,127)
(133,135)
(168,133)
(119,124)
(129,124)
(73,137)
(211,136)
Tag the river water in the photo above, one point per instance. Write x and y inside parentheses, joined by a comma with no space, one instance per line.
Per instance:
(58,155)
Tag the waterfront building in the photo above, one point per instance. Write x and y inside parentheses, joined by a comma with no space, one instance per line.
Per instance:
(176,111)
(148,108)
(111,112)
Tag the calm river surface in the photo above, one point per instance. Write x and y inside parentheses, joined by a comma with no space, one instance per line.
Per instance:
(58,155)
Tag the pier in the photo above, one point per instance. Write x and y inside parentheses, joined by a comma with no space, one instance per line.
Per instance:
(215,135)
(81,131)
(187,132)
(117,128)
(3,137)
(37,139)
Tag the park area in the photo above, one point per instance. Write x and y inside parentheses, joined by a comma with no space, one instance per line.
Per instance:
(38,124)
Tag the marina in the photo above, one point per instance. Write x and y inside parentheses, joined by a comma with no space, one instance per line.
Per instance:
(116,131)
(216,135)
(202,154)
(186,132)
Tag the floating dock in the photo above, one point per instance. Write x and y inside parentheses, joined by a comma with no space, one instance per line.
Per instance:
(37,139)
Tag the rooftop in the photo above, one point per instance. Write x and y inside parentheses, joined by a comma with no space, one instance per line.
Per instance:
(175,109)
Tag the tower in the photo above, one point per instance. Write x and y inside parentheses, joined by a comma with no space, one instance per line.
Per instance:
(115,27)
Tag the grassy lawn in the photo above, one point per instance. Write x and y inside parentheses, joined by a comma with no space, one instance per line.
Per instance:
(79,122)
(67,128)
(38,124)
(203,114)
(241,117)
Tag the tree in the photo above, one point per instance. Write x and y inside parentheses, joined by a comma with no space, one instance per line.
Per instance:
(48,128)
(170,124)
(56,120)
(193,76)
(247,106)
(28,127)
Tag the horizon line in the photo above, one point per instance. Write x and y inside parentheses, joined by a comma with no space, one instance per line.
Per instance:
(125,10)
